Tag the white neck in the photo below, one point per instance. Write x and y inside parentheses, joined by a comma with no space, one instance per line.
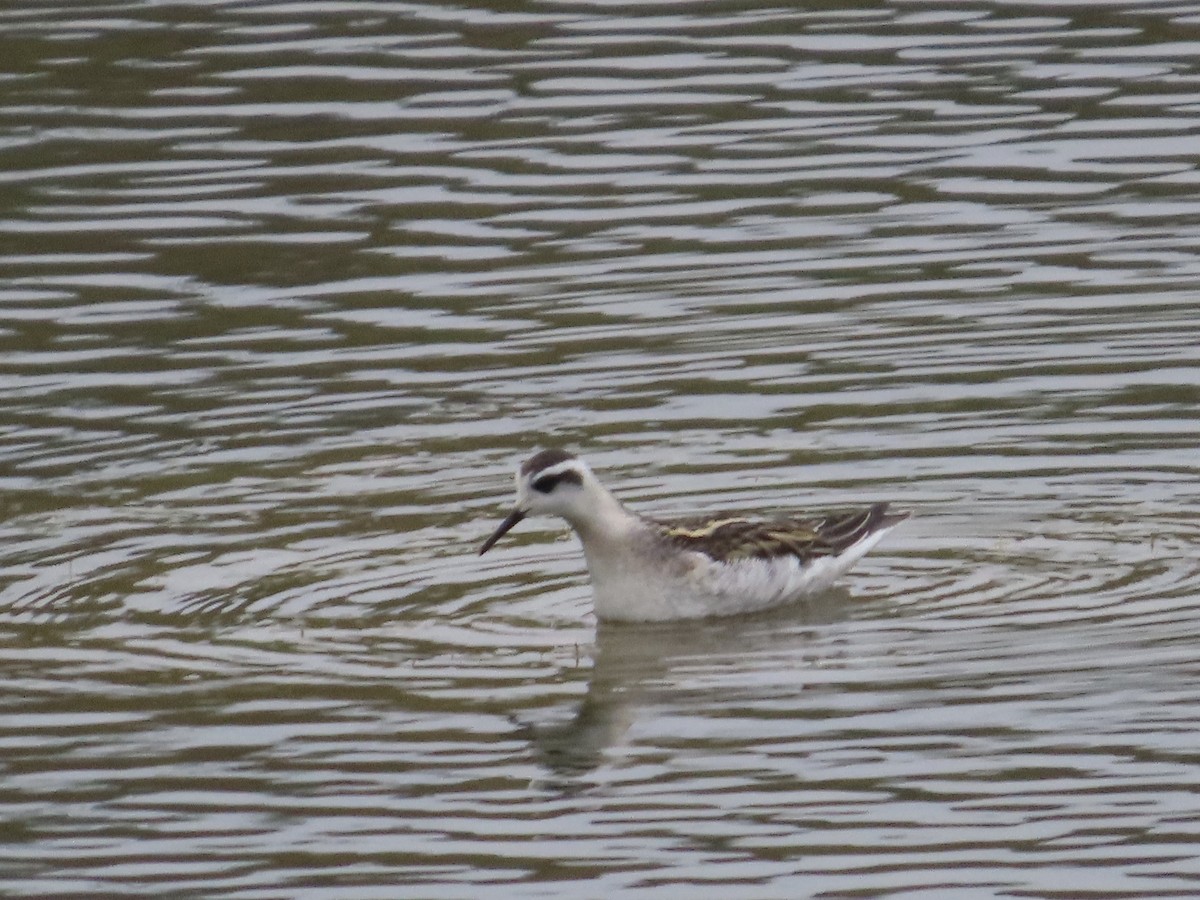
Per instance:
(605,518)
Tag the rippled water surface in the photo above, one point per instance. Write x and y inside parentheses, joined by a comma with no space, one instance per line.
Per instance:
(288,289)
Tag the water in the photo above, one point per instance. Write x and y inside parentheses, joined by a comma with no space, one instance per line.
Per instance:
(287,291)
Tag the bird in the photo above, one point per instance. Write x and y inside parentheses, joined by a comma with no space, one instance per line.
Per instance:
(646,570)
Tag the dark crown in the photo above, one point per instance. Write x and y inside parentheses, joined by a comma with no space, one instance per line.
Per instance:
(544,459)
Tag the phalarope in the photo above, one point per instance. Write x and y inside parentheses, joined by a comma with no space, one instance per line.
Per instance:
(646,570)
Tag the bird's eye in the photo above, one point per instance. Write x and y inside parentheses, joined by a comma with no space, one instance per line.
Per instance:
(545,484)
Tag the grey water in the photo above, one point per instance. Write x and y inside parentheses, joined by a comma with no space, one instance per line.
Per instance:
(286,292)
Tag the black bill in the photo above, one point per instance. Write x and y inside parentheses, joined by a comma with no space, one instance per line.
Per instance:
(513,518)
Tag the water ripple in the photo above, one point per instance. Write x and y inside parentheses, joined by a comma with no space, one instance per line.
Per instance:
(289,291)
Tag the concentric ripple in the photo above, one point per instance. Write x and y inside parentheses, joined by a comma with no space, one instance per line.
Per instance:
(290,288)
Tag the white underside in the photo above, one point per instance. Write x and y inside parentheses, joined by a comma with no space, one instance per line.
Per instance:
(635,587)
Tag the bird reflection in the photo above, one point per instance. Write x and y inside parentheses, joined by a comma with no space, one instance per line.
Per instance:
(638,667)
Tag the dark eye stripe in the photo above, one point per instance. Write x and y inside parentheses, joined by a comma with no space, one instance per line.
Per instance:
(546,483)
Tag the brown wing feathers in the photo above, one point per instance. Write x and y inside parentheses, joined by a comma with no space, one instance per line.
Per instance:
(733,537)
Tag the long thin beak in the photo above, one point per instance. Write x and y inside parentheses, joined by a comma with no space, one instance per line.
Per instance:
(513,518)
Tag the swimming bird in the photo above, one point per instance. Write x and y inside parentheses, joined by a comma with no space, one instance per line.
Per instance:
(643,569)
